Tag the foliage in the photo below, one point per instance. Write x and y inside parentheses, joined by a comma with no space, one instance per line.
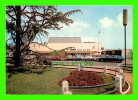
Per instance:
(25,23)
(59,53)
(83,78)
(27,69)
(34,69)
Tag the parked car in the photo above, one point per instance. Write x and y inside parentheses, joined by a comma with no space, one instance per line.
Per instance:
(95,57)
(88,58)
(117,58)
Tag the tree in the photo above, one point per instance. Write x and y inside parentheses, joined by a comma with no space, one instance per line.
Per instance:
(59,53)
(24,23)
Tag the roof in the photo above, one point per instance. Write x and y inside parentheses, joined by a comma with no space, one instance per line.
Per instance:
(64,40)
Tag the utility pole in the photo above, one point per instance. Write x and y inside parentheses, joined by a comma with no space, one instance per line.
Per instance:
(98,42)
(125,14)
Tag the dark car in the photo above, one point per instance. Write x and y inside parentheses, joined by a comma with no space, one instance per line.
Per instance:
(111,58)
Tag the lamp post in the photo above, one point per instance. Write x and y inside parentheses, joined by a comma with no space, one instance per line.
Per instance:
(125,14)
(98,42)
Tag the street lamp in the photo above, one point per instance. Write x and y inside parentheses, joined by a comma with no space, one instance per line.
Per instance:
(125,14)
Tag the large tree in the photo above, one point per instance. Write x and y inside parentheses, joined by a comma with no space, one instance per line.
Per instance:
(24,23)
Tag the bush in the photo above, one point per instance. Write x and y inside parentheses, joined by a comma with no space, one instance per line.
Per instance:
(83,78)
(27,69)
(35,69)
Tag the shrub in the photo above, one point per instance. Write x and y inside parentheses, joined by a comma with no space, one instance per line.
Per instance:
(83,78)
(38,71)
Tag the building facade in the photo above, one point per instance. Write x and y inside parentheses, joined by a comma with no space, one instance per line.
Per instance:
(120,52)
(79,48)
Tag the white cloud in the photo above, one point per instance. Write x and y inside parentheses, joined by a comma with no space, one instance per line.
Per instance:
(120,20)
(106,22)
(75,29)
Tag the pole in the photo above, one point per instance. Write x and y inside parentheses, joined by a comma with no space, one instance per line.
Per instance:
(125,42)
(125,14)
(98,42)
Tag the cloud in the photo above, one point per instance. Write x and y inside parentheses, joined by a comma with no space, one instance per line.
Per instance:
(75,29)
(106,22)
(120,20)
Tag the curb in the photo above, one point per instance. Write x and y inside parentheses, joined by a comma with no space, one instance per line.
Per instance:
(127,89)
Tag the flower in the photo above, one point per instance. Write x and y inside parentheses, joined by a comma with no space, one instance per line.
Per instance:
(83,78)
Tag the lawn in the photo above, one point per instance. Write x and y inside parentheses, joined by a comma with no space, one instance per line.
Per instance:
(46,83)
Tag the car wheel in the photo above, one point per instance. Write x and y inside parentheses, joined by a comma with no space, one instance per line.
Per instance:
(119,61)
(97,59)
(102,60)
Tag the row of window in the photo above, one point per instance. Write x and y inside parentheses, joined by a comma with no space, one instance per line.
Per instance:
(82,49)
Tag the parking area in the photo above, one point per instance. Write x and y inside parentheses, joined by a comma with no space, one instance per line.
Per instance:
(99,64)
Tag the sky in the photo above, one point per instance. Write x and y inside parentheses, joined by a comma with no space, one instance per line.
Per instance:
(104,19)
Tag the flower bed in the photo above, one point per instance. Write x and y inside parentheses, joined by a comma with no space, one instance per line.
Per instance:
(83,78)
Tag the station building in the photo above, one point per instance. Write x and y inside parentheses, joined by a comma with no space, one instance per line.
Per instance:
(79,49)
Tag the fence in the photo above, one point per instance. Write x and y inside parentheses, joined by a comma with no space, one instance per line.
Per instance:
(118,82)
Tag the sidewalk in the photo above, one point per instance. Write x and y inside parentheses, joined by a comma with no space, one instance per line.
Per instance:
(128,76)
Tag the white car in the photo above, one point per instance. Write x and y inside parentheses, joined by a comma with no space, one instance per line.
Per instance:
(88,58)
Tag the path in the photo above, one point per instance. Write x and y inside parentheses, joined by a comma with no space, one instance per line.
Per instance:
(128,76)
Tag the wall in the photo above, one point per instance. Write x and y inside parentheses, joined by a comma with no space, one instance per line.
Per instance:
(128,53)
(59,46)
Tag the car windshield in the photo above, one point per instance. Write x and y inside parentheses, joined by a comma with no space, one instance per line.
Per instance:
(115,56)
(96,55)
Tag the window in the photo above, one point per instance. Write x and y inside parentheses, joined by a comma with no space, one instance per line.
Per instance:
(79,49)
(87,54)
(72,49)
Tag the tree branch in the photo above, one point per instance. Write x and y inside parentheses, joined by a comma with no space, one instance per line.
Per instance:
(10,16)
(23,8)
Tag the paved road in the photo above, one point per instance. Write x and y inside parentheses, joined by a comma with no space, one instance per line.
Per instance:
(95,63)
(110,64)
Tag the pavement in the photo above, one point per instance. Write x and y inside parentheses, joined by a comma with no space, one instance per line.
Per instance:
(111,65)
(128,78)
(95,63)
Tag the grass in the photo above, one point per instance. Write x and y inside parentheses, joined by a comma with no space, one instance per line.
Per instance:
(46,83)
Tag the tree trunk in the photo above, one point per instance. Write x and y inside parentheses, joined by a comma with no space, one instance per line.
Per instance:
(18,39)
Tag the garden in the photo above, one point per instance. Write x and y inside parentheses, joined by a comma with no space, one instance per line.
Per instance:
(49,81)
